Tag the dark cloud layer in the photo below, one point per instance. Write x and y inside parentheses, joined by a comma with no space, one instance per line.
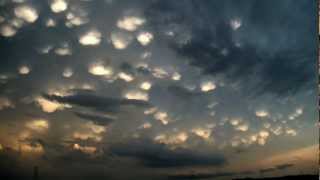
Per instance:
(98,119)
(160,156)
(97,102)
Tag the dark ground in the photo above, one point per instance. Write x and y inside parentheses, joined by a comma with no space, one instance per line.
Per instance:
(301,177)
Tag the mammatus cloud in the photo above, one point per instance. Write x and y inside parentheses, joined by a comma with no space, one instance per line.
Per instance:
(27,13)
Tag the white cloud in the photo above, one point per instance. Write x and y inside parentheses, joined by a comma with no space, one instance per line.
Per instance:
(91,38)
(58,6)
(235,121)
(176,76)
(150,111)
(126,77)
(100,70)
(7,30)
(130,23)
(242,127)
(202,132)
(144,38)
(235,24)
(27,13)
(68,72)
(24,70)
(138,95)
(120,40)
(263,133)
(262,113)
(145,85)
(49,106)
(162,117)
(207,86)
(160,73)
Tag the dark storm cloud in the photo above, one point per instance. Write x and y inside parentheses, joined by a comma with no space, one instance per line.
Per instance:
(98,119)
(277,53)
(160,156)
(97,102)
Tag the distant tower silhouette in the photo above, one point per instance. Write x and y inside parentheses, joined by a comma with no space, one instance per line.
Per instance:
(35,173)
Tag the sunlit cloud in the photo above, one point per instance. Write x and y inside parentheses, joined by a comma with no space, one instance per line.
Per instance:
(27,13)
(150,111)
(137,95)
(63,50)
(144,38)
(126,77)
(160,73)
(235,121)
(85,149)
(120,40)
(172,139)
(242,127)
(130,23)
(262,138)
(207,86)
(176,76)
(90,38)
(35,148)
(202,132)
(5,103)
(68,72)
(146,125)
(51,22)
(235,24)
(145,85)
(24,70)
(49,106)
(39,125)
(162,117)
(262,113)
(7,30)
(99,69)
(58,6)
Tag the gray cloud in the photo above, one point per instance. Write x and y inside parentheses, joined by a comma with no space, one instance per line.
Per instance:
(98,119)
(160,156)
(97,102)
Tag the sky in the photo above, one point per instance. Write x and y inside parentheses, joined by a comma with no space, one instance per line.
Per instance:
(158,89)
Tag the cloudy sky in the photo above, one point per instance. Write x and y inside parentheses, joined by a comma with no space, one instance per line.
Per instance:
(158,89)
